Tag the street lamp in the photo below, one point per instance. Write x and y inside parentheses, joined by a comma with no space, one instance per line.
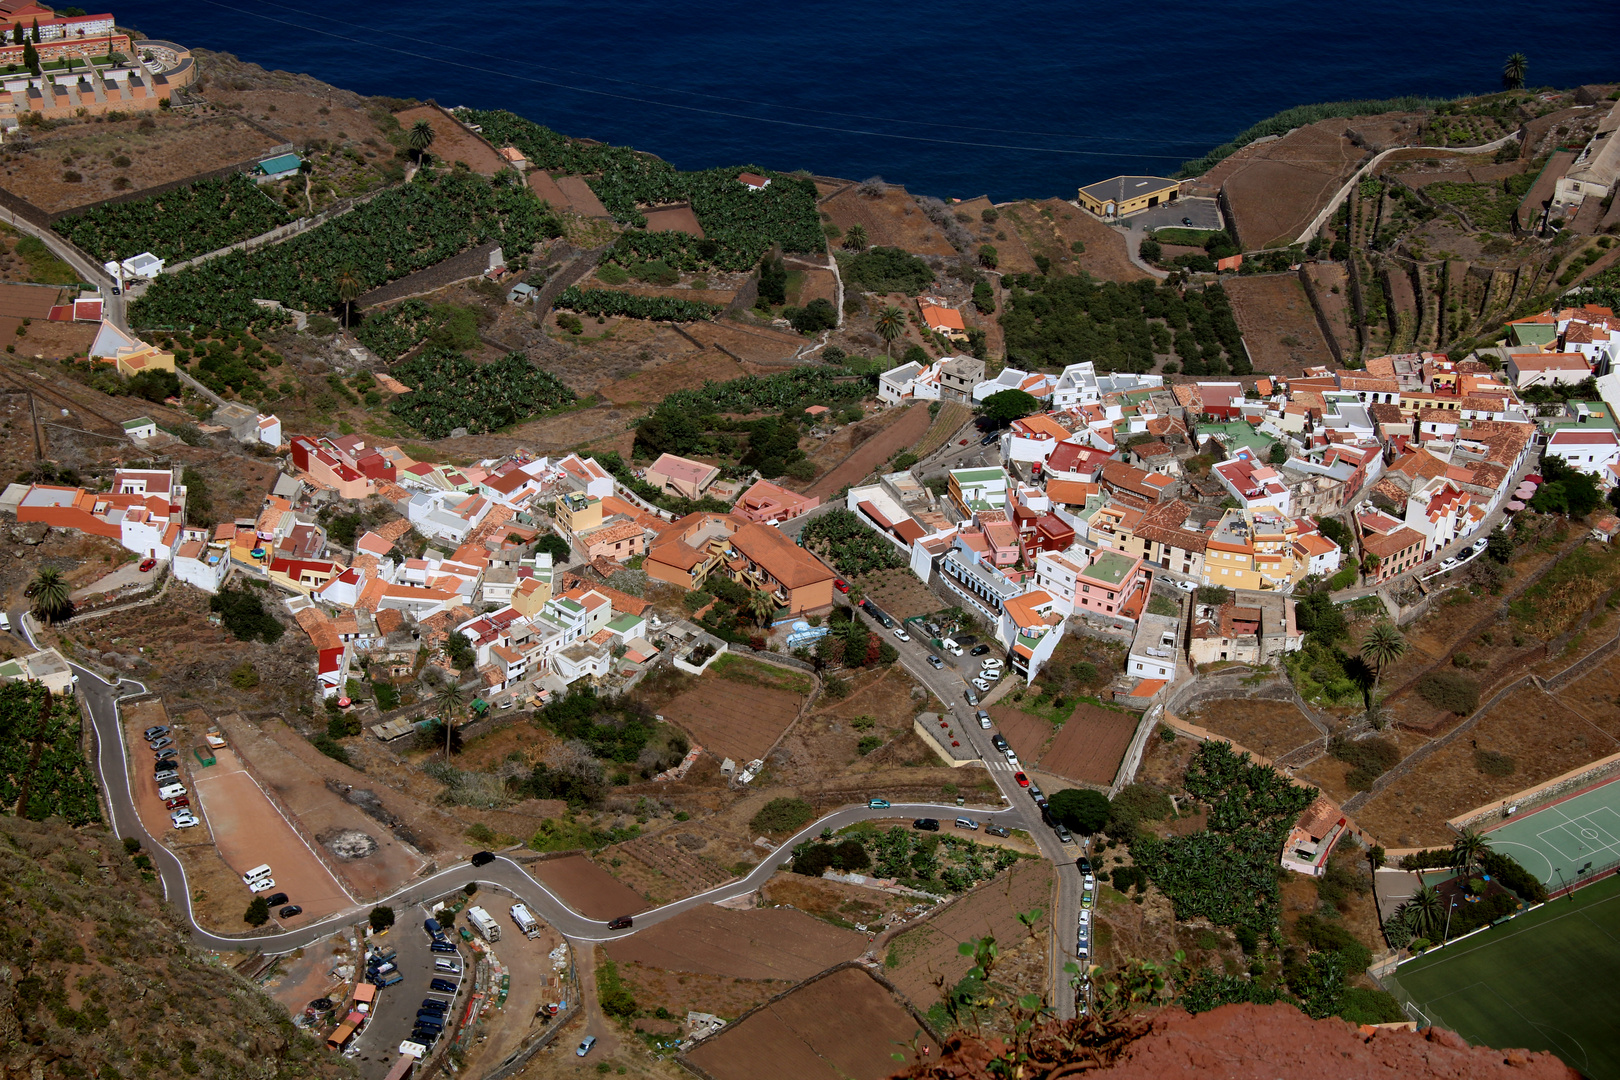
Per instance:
(1449,910)
(1559,871)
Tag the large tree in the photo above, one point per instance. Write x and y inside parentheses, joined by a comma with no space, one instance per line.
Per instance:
(1005,406)
(51,593)
(1084,811)
(1514,70)
(1466,851)
(349,288)
(449,699)
(891,324)
(420,138)
(1383,645)
(855,238)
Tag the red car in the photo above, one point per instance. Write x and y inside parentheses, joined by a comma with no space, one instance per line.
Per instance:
(1023,781)
(176,803)
(147,564)
(841,585)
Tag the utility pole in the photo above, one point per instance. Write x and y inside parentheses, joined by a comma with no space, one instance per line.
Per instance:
(1449,910)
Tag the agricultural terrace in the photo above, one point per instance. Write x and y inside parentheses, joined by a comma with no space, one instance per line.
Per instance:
(740,709)
(943,864)
(177,225)
(449,391)
(1053,321)
(40,755)
(1228,872)
(739,225)
(395,331)
(400,231)
(604,302)
(1543,981)
(851,547)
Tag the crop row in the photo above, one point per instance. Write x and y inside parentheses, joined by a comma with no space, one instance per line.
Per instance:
(61,783)
(603,302)
(739,224)
(179,224)
(399,232)
(450,391)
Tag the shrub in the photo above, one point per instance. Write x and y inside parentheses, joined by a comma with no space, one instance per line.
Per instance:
(615,998)
(782,815)
(1493,763)
(1081,809)
(1361,1005)
(258,912)
(868,744)
(1449,690)
(331,748)
(1135,804)
(382,917)
(886,270)
(1369,759)
(244,676)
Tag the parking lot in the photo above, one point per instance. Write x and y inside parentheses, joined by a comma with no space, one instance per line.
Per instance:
(395,1013)
(1204,213)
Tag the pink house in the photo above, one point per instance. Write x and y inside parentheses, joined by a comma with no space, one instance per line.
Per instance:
(681,476)
(1001,536)
(767,503)
(1109,584)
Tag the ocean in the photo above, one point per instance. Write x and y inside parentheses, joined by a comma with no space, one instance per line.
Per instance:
(1018,99)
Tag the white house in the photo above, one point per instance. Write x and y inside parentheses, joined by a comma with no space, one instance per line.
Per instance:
(201,566)
(142,427)
(1547,369)
(267,430)
(147,534)
(1591,450)
(1155,648)
(344,590)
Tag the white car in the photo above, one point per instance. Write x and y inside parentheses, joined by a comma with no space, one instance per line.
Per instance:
(990,674)
(5,621)
(1481,545)
(263,884)
(1187,586)
(991,662)
(182,819)
(900,632)
(1085,917)
(981,685)
(1448,563)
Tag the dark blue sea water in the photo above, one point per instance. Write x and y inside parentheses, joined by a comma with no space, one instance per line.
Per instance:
(952,98)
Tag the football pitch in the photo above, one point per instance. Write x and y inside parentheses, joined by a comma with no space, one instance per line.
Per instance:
(1544,981)
(1556,842)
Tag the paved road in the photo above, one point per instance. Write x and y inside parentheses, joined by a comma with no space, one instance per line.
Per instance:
(947,684)
(112,308)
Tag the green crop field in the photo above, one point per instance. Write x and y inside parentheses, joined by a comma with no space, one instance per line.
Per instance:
(1543,981)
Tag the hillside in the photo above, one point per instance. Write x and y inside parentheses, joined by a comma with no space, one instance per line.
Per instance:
(100,981)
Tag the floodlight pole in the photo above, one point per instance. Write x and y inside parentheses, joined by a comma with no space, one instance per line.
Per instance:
(1449,910)
(1559,871)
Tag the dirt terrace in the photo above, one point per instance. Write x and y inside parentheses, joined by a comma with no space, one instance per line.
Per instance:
(904,431)
(1278,323)
(452,142)
(892,219)
(765,943)
(730,720)
(1271,728)
(587,888)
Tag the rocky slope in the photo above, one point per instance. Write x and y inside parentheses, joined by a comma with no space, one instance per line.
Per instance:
(97,978)
(1241,1042)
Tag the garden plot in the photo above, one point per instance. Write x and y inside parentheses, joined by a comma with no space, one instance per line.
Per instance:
(898,592)
(1028,735)
(674,219)
(668,866)
(41,765)
(765,943)
(916,957)
(1091,745)
(1271,728)
(453,142)
(874,453)
(749,344)
(1278,323)
(808,1035)
(1537,734)
(731,720)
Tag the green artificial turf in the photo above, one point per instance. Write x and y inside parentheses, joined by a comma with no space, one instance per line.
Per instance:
(1544,981)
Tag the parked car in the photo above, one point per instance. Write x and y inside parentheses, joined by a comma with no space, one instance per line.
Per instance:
(1023,781)
(443,986)
(999,741)
(176,803)
(262,885)
(841,585)
(160,742)
(900,632)
(926,824)
(936,662)
(990,662)
(1035,792)
(1480,545)
(449,967)
(623,922)
(147,565)
(984,719)
(1448,563)
(967,823)
(585,1047)
(444,947)
(970,697)
(482,858)
(981,685)
(1187,221)
(979,650)
(155,732)
(289,911)
(1064,836)
(166,754)
(997,830)
(877,804)
(1084,865)
(278,898)
(990,674)
(182,819)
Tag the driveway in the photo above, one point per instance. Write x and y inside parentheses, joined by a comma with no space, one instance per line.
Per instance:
(128,575)
(1205,214)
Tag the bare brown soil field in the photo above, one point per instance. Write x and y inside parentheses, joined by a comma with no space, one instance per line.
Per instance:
(653,383)
(729,720)
(249,831)
(892,219)
(1091,745)
(817,283)
(321,812)
(1271,728)
(586,887)
(833,900)
(679,292)
(667,866)
(1544,737)
(673,219)
(753,344)
(57,341)
(1597,698)
(1278,323)
(874,452)
(807,1035)
(1027,734)
(764,943)
(899,592)
(1052,226)
(684,992)
(452,142)
(918,955)
(1331,283)
(27,301)
(175,148)
(305,975)
(1330,774)
(826,453)
(302,111)
(1276,187)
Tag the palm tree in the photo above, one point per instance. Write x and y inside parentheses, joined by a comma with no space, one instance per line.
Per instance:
(449,699)
(891,324)
(1513,71)
(1424,911)
(1382,645)
(51,594)
(761,605)
(855,239)
(419,138)
(349,288)
(1466,851)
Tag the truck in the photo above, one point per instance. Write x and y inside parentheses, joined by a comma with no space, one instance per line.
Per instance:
(484,924)
(526,922)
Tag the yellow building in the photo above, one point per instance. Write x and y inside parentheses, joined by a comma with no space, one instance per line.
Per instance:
(1254,549)
(131,362)
(1128,194)
(576,512)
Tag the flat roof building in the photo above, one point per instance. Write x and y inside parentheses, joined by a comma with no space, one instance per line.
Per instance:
(1123,195)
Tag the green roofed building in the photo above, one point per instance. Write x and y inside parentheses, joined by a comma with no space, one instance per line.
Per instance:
(277,167)
(975,490)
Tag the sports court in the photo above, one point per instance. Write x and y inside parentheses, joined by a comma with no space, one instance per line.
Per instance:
(1555,842)
(1543,981)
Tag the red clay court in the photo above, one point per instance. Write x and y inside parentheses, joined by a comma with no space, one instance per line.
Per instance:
(587,888)
(248,830)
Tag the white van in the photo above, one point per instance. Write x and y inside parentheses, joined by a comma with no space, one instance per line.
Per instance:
(171,791)
(254,874)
